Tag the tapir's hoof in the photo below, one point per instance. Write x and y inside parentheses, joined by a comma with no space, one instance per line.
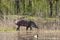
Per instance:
(17,30)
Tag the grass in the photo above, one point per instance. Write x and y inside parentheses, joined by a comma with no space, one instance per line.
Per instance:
(51,18)
(34,30)
(32,17)
(7,29)
(28,17)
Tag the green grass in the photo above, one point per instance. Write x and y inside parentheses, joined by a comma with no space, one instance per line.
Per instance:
(28,17)
(31,17)
(7,29)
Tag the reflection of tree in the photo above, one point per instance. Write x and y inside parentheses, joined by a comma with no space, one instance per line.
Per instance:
(18,36)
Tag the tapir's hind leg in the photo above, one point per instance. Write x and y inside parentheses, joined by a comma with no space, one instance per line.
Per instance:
(30,28)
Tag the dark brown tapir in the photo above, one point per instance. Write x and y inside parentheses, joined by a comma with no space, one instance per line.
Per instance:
(25,23)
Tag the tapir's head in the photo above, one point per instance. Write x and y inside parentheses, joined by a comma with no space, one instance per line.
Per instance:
(16,20)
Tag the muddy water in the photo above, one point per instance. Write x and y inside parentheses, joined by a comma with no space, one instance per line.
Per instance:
(29,36)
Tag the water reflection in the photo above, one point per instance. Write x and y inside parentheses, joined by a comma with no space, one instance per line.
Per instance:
(28,35)
(18,36)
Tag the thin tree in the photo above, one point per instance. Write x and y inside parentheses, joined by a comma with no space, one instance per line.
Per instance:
(30,6)
(23,3)
(1,13)
(17,6)
(56,6)
(51,7)
(0,7)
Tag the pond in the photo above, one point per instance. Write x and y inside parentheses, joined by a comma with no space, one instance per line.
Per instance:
(29,35)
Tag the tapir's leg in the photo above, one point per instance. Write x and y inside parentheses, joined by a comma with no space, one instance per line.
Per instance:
(30,28)
(18,27)
(27,27)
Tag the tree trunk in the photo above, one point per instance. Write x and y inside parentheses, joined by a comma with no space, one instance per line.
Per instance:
(23,3)
(23,6)
(30,2)
(56,6)
(17,6)
(51,10)
(30,7)
(0,8)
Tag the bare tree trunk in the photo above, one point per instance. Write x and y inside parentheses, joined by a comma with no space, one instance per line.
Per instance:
(30,7)
(23,2)
(0,7)
(56,6)
(30,2)
(51,6)
(1,13)
(17,6)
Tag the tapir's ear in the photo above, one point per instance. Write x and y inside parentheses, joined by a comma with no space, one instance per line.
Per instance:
(15,21)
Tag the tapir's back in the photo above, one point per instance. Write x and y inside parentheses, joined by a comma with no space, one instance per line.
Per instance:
(22,23)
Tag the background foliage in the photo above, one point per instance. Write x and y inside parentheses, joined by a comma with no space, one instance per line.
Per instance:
(39,8)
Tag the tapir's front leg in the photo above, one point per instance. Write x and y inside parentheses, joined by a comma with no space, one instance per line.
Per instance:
(27,27)
(18,28)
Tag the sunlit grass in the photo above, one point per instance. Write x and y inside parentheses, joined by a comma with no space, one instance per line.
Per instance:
(7,29)
(22,31)
(32,17)
(51,18)
(28,17)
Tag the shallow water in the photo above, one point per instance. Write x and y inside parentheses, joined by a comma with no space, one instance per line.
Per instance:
(29,36)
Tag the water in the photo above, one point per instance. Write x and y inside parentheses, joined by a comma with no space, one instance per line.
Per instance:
(29,36)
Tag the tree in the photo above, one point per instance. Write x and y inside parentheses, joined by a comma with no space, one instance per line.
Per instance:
(0,8)
(17,6)
(56,6)
(51,7)
(23,3)
(30,5)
